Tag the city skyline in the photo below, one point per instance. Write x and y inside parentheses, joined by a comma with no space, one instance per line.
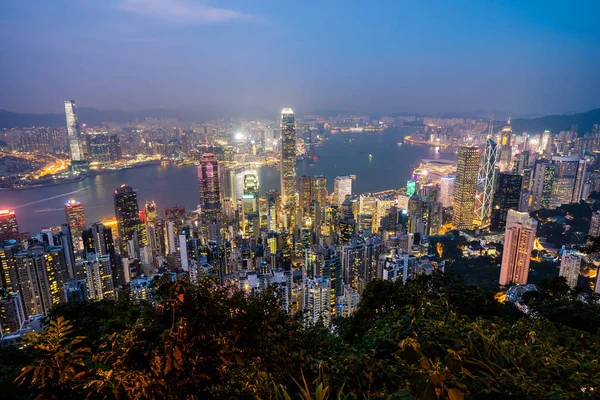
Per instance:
(534,58)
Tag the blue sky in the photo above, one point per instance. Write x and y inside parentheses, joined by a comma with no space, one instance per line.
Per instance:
(371,56)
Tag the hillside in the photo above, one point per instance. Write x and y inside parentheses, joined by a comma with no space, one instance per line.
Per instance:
(435,338)
(556,123)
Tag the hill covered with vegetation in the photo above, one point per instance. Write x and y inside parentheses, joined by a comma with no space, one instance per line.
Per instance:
(435,338)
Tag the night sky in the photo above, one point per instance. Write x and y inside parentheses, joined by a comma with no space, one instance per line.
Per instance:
(530,56)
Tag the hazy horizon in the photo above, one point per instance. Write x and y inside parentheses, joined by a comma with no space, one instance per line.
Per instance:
(535,58)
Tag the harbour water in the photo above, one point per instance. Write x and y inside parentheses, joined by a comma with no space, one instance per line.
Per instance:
(376,159)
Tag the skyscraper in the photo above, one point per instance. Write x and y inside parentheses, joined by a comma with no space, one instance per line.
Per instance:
(288,157)
(211,209)
(595,224)
(486,181)
(505,148)
(519,238)
(447,190)
(570,266)
(342,187)
(75,217)
(506,197)
(567,184)
(9,229)
(128,218)
(543,179)
(467,168)
(73,131)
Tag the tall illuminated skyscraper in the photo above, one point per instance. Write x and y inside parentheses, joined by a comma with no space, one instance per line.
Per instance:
(288,157)
(467,168)
(128,218)
(505,148)
(519,238)
(9,229)
(568,180)
(342,187)
(543,180)
(209,186)
(447,190)
(73,131)
(75,217)
(486,181)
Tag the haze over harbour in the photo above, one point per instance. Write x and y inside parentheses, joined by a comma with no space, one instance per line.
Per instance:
(346,153)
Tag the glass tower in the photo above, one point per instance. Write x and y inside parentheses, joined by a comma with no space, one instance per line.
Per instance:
(73,131)
(210,197)
(128,217)
(467,169)
(288,157)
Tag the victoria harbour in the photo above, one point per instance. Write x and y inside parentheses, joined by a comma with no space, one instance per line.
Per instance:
(376,159)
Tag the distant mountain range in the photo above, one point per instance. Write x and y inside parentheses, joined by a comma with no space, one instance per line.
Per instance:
(95,117)
(556,123)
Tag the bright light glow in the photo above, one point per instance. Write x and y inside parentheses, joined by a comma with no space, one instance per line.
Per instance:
(239,136)
(287,111)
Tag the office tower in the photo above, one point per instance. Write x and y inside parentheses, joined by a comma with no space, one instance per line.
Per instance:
(75,217)
(505,148)
(288,158)
(595,224)
(447,190)
(467,169)
(347,223)
(42,272)
(65,239)
(99,277)
(506,197)
(250,207)
(570,266)
(519,238)
(313,189)
(12,313)
(9,229)
(114,148)
(211,209)
(435,214)
(342,187)
(486,181)
(73,132)
(567,184)
(128,219)
(543,179)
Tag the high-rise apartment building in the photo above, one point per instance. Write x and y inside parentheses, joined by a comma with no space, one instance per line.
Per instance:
(570,266)
(9,229)
(342,187)
(467,169)
(74,132)
(519,239)
(211,209)
(288,157)
(506,197)
(595,224)
(128,218)
(75,217)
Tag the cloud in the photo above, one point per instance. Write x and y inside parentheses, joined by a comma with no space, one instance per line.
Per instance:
(183,11)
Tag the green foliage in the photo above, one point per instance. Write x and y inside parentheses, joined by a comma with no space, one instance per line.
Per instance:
(434,338)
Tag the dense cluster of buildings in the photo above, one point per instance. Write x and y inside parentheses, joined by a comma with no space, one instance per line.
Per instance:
(318,249)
